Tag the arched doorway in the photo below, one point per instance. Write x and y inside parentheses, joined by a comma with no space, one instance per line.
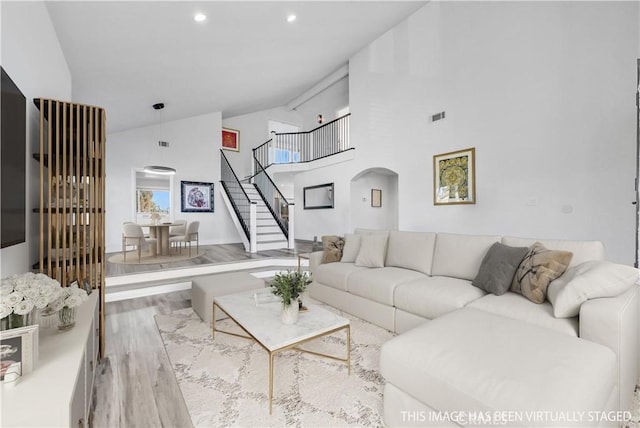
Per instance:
(367,211)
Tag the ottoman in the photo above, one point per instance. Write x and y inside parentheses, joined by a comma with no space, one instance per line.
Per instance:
(205,288)
(471,367)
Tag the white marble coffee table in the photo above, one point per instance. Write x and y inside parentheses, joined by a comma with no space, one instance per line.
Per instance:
(262,323)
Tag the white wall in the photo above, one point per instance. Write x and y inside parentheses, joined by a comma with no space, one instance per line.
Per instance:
(327,103)
(330,221)
(194,150)
(543,91)
(362,213)
(31,55)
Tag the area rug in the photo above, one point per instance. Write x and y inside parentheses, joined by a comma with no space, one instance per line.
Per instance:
(147,259)
(225,382)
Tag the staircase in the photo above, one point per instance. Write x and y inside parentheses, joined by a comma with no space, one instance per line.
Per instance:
(256,211)
(263,216)
(268,233)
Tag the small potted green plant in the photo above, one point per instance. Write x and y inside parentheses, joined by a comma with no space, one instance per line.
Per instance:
(289,286)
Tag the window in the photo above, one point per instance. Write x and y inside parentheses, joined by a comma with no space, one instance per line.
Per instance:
(153,195)
(285,156)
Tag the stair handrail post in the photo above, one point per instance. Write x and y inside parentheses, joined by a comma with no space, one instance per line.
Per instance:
(253,240)
(290,237)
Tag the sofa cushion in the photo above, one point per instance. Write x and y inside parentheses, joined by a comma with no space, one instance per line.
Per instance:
(582,250)
(539,267)
(411,250)
(378,284)
(589,280)
(498,268)
(516,306)
(475,361)
(335,275)
(373,250)
(431,297)
(460,256)
(332,248)
(351,247)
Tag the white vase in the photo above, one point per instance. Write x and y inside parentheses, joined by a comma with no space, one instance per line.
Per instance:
(289,313)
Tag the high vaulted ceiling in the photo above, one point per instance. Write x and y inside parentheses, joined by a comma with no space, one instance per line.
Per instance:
(126,56)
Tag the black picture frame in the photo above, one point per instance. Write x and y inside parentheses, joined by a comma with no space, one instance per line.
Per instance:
(317,197)
(196,197)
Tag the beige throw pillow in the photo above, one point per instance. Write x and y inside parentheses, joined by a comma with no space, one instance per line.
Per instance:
(373,249)
(539,267)
(332,248)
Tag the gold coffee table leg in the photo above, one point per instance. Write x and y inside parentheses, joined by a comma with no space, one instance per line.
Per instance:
(270,381)
(349,349)
(213,321)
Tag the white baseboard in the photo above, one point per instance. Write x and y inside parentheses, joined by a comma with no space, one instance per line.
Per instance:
(165,275)
(146,291)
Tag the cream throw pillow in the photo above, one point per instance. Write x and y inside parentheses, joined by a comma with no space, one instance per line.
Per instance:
(351,247)
(589,280)
(373,249)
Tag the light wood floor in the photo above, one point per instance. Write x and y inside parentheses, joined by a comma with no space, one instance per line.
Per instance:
(135,385)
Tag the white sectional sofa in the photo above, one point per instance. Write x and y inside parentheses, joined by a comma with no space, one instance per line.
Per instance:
(460,349)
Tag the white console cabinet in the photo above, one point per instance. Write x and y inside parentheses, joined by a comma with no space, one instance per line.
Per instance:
(58,392)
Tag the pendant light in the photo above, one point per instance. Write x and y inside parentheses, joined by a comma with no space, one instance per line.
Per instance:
(157,169)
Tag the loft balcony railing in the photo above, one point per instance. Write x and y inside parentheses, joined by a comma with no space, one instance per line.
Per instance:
(294,147)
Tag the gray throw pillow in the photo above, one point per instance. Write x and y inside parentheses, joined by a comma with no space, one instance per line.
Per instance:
(498,268)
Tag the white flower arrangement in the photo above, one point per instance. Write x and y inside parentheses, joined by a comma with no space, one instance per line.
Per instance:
(19,294)
(69,297)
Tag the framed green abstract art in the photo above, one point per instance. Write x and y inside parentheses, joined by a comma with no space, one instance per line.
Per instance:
(454,178)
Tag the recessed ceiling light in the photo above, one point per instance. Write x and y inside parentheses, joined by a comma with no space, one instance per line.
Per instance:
(199,17)
(291,18)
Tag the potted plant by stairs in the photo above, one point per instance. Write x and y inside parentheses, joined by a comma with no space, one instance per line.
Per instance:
(289,286)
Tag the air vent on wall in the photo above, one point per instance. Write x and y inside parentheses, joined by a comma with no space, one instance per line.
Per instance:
(437,116)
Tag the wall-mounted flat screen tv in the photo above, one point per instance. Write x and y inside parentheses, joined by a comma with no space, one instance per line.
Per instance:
(13,109)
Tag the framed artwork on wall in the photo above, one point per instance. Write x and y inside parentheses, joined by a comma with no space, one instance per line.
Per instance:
(454,180)
(231,139)
(196,197)
(376,198)
(18,352)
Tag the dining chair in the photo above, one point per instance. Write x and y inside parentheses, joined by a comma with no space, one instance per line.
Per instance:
(132,235)
(179,228)
(191,234)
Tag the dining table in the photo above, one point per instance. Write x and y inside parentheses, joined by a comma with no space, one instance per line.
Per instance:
(160,231)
